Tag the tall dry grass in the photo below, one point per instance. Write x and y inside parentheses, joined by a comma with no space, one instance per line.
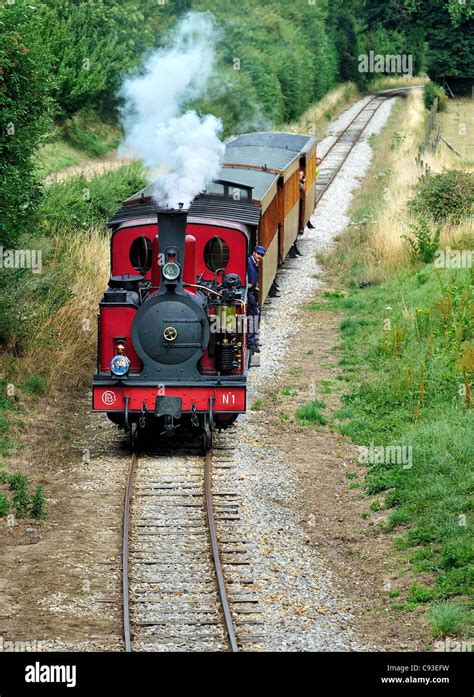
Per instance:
(317,118)
(62,349)
(373,248)
(457,126)
(386,82)
(394,220)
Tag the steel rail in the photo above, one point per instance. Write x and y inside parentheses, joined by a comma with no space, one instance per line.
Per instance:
(350,149)
(386,94)
(229,624)
(125,554)
(221,587)
(343,133)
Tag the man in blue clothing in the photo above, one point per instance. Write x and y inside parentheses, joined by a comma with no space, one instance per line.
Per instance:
(252,299)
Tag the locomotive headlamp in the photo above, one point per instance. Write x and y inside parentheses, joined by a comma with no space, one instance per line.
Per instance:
(171,271)
(120,365)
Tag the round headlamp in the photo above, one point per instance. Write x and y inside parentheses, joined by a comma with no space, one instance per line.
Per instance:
(120,365)
(171,271)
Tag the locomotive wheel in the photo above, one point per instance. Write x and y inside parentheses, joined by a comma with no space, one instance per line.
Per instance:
(224,422)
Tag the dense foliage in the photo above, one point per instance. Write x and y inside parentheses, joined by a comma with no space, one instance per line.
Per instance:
(25,113)
(433,91)
(274,59)
(446,197)
(94,41)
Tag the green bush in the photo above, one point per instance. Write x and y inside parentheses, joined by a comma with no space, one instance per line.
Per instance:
(94,42)
(21,500)
(447,196)
(38,509)
(25,114)
(79,202)
(424,241)
(23,503)
(6,406)
(431,92)
(4,505)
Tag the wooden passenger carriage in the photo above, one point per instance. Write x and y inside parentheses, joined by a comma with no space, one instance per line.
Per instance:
(271,164)
(258,187)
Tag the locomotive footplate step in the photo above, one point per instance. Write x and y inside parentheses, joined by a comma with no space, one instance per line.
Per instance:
(254,361)
(169,406)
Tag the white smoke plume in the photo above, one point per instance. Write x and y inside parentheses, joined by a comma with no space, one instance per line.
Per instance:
(181,151)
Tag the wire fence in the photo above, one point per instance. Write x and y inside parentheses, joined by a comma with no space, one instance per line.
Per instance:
(431,139)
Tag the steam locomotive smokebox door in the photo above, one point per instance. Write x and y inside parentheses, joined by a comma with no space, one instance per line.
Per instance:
(169,406)
(170,333)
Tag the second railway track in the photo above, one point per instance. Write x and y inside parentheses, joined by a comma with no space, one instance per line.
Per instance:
(187,574)
(337,154)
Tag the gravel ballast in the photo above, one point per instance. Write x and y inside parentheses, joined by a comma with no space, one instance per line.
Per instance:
(300,603)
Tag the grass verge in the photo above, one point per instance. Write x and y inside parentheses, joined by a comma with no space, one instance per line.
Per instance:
(48,319)
(78,139)
(407,343)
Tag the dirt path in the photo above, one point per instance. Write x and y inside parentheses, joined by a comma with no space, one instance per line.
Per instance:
(93,166)
(328,499)
(60,581)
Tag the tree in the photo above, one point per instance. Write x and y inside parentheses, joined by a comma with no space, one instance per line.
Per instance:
(94,42)
(449,30)
(26,111)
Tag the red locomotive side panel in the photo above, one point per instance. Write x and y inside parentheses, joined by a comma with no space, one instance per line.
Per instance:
(122,242)
(227,399)
(116,324)
(234,249)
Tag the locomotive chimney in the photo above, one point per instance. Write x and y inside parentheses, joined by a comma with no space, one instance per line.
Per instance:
(172,240)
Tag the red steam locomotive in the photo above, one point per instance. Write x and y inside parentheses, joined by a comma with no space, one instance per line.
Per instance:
(173,321)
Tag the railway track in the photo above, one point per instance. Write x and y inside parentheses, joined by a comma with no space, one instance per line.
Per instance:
(187,582)
(336,156)
(187,576)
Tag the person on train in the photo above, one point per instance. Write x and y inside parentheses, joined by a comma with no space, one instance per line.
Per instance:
(253,308)
(302,201)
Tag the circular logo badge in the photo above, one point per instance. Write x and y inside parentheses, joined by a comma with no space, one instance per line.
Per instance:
(109,398)
(170,334)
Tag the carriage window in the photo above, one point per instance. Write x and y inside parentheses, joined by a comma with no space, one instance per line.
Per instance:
(140,255)
(216,254)
(215,188)
(232,190)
